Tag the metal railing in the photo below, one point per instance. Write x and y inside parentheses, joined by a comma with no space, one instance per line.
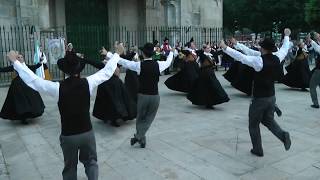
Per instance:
(88,39)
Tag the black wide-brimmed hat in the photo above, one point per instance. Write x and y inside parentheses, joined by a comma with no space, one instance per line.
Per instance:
(148,49)
(268,44)
(71,64)
(128,55)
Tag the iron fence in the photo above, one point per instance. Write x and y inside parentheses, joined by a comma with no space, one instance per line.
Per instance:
(88,39)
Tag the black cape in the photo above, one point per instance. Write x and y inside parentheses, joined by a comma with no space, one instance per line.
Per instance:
(183,80)
(112,100)
(131,81)
(298,74)
(207,89)
(241,77)
(22,102)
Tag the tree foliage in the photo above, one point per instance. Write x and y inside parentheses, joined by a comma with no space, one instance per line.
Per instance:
(312,14)
(265,15)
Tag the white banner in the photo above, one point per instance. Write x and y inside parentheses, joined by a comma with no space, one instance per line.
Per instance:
(56,50)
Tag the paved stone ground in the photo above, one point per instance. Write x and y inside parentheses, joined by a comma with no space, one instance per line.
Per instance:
(185,142)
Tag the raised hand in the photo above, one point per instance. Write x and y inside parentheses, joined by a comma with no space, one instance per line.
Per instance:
(223,45)
(103,51)
(233,41)
(287,32)
(12,55)
(120,48)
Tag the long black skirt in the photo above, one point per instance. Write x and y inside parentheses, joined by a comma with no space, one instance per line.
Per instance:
(22,102)
(298,74)
(131,82)
(241,77)
(183,80)
(207,89)
(114,102)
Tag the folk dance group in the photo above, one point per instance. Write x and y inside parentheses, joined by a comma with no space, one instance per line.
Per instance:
(139,96)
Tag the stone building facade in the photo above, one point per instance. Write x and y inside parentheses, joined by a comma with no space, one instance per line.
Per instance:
(130,13)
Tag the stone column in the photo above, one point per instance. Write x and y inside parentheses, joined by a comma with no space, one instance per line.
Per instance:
(113,12)
(43,14)
(60,13)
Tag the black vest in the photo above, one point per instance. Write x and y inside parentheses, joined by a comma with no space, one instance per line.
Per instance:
(263,81)
(149,77)
(74,105)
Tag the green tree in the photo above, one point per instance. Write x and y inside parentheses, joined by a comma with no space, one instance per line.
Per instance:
(262,15)
(312,12)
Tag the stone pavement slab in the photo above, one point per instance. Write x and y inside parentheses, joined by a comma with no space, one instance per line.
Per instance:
(185,142)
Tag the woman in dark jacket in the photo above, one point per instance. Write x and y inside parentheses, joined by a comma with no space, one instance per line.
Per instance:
(183,80)
(113,101)
(22,102)
(207,90)
(298,72)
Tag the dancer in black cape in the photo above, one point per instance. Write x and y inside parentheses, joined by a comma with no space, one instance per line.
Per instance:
(183,80)
(131,80)
(207,90)
(298,72)
(113,101)
(22,102)
(242,83)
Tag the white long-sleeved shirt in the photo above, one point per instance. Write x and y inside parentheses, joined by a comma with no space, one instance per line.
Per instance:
(246,50)
(52,88)
(315,46)
(254,59)
(136,66)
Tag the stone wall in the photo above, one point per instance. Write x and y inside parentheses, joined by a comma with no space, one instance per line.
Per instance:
(8,12)
(25,12)
(131,13)
(207,13)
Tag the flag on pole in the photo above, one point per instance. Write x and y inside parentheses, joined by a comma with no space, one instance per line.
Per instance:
(36,59)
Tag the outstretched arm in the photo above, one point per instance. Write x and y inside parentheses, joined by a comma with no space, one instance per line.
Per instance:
(315,46)
(7,69)
(96,64)
(35,82)
(34,67)
(165,64)
(252,61)
(283,51)
(132,65)
(103,74)
(243,48)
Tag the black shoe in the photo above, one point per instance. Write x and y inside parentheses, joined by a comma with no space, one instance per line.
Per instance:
(142,144)
(24,121)
(133,141)
(287,141)
(115,124)
(315,106)
(259,154)
(278,111)
(304,89)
